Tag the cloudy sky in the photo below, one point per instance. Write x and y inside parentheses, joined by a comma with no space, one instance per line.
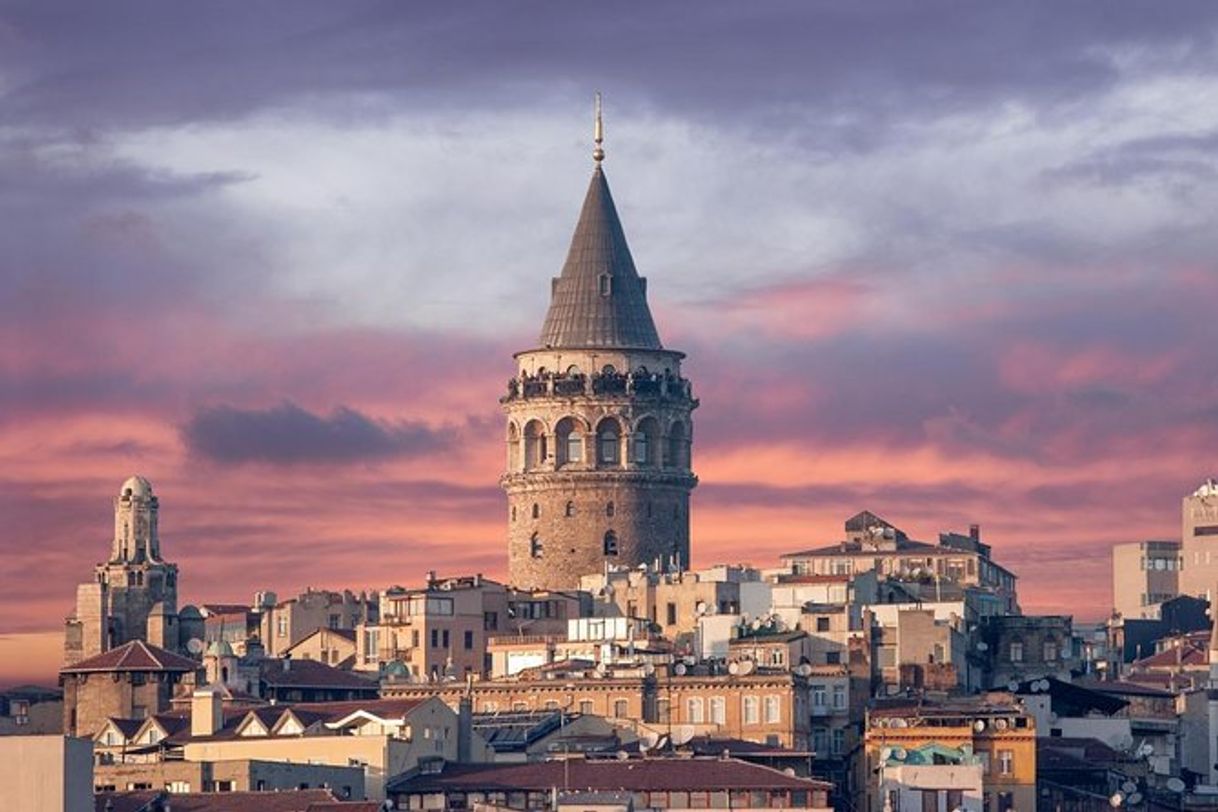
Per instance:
(950,262)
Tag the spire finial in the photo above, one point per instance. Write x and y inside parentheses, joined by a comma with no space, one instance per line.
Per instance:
(598,133)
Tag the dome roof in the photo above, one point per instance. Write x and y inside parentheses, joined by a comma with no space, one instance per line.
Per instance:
(219,648)
(136,486)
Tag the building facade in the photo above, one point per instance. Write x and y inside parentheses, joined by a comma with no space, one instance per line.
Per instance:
(1144,574)
(598,421)
(1199,545)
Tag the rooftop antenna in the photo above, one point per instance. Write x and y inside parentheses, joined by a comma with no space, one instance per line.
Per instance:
(598,134)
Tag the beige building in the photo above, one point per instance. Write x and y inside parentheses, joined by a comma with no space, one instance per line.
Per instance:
(288,622)
(30,710)
(335,647)
(1144,574)
(673,600)
(134,592)
(872,544)
(46,773)
(1199,545)
(598,421)
(346,782)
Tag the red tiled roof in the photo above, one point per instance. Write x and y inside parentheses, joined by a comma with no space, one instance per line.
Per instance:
(345,806)
(134,656)
(298,800)
(611,774)
(310,674)
(1194,655)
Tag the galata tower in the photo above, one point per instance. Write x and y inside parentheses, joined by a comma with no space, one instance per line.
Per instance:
(598,420)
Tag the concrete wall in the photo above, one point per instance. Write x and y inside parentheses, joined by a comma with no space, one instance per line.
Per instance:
(238,776)
(47,773)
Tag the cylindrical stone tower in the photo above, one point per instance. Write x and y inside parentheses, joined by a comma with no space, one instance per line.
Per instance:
(598,422)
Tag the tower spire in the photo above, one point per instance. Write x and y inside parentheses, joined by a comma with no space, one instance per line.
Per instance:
(598,133)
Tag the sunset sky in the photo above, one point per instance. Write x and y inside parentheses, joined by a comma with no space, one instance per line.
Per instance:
(948,262)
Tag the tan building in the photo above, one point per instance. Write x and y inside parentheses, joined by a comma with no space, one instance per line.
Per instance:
(288,622)
(1199,547)
(133,681)
(46,773)
(598,421)
(921,755)
(872,544)
(30,710)
(608,641)
(334,647)
(134,592)
(673,600)
(1144,574)
(346,782)
(763,707)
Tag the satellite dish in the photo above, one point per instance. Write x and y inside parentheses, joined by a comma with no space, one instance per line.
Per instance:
(1129,786)
(1012,686)
(1135,799)
(733,668)
(700,609)
(1175,784)
(681,734)
(1116,800)
(1044,685)
(979,725)
(689,659)
(898,722)
(885,753)
(1000,724)
(679,669)
(622,755)
(194,645)
(899,753)
(602,669)
(649,668)
(982,645)
(756,624)
(804,670)
(746,667)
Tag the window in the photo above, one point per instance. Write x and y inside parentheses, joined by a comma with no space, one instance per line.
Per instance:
(839,696)
(490,707)
(1050,651)
(575,447)
(469,640)
(955,799)
(610,543)
(281,626)
(607,444)
(445,636)
(694,710)
(490,621)
(585,707)
(820,742)
(822,624)
(1006,762)
(818,696)
(1017,652)
(570,510)
(773,710)
(178,786)
(748,709)
(606,284)
(536,511)
(435,638)
(718,710)
(839,742)
(610,510)
(620,708)
(414,638)
(672,613)
(535,547)
(642,449)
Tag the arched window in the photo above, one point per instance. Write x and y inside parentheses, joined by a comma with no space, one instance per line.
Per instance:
(513,450)
(570,509)
(677,446)
(610,510)
(695,710)
(513,513)
(536,511)
(535,546)
(569,441)
(534,445)
(610,543)
(643,441)
(608,443)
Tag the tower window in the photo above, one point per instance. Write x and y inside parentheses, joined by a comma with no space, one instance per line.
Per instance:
(570,509)
(606,284)
(575,447)
(610,543)
(535,546)
(610,510)
(536,511)
(641,449)
(608,447)
(513,513)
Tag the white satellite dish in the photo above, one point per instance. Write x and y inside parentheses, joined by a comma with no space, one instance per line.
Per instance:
(194,645)
(804,670)
(602,669)
(679,669)
(690,659)
(1012,686)
(982,646)
(681,734)
(979,725)
(746,667)
(899,722)
(885,753)
(733,668)
(700,609)
(649,668)
(1176,785)
(899,753)
(1000,724)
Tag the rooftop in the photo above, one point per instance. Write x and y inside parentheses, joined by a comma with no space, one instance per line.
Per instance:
(134,656)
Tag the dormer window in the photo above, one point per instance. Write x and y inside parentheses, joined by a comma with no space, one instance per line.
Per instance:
(606,283)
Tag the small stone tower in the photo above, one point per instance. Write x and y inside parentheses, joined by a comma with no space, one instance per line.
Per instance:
(598,420)
(134,593)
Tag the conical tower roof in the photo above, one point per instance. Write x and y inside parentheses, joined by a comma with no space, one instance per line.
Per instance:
(599,300)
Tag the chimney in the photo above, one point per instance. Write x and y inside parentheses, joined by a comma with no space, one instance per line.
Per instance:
(465,729)
(287,662)
(206,712)
(431,577)
(974,532)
